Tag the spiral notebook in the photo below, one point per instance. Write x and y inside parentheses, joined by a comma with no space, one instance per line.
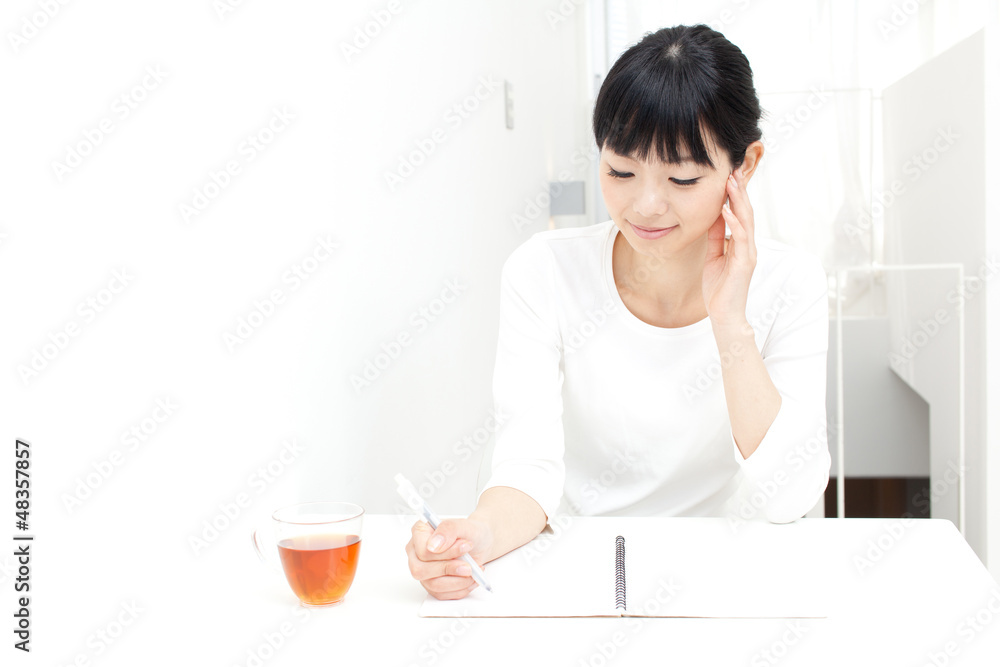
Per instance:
(682,567)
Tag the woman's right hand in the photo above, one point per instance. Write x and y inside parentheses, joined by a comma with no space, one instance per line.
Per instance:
(435,556)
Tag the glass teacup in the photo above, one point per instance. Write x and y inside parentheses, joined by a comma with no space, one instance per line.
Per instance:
(318,545)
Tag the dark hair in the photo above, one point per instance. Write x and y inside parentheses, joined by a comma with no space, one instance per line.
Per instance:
(662,90)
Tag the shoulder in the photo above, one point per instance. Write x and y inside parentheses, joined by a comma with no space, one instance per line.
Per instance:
(552,248)
(791,267)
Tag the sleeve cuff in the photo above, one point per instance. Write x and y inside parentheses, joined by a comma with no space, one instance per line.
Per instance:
(788,472)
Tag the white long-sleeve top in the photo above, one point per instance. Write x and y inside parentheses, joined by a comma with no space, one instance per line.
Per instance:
(603,414)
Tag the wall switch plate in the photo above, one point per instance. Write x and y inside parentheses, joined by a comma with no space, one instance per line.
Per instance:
(508,97)
(566,198)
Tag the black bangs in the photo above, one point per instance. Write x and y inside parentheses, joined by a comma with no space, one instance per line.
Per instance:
(652,111)
(675,89)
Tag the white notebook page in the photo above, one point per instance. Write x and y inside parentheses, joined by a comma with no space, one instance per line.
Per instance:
(674,567)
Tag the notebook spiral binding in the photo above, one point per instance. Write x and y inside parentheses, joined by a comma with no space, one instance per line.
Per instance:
(619,572)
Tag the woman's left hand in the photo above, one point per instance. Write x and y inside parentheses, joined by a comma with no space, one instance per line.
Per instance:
(728,267)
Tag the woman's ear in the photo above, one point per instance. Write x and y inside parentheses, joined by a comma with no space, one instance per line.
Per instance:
(751,159)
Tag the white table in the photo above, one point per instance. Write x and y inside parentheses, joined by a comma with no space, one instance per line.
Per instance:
(224,607)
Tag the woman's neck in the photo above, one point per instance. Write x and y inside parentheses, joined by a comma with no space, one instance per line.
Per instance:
(665,289)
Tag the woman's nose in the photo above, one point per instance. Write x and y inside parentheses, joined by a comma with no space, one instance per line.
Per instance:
(651,202)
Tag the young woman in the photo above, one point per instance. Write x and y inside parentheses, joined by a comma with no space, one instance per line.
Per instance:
(649,365)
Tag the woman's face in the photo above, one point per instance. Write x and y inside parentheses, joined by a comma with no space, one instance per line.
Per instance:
(663,208)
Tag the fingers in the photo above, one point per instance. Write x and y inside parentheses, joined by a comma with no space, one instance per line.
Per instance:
(740,220)
(442,574)
(436,569)
(735,224)
(739,201)
(448,546)
(716,239)
(456,594)
(444,579)
(441,570)
(741,247)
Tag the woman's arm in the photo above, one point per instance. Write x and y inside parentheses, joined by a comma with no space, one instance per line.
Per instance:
(775,395)
(504,520)
(513,517)
(528,472)
(787,462)
(528,379)
(751,397)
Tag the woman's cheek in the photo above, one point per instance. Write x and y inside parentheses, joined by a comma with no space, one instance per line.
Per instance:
(714,206)
(615,197)
(706,210)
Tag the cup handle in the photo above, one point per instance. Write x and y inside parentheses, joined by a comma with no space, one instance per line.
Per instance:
(259,548)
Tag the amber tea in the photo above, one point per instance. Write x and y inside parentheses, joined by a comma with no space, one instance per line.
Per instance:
(320,568)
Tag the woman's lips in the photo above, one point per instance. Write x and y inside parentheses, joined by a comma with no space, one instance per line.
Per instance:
(647,233)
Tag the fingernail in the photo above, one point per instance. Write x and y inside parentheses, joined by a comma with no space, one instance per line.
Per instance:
(463,570)
(435,543)
(465,548)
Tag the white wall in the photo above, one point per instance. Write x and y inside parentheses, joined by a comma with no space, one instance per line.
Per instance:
(163,335)
(455,219)
(992,295)
(935,161)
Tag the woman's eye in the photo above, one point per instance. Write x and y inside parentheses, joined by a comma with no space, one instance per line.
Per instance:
(690,181)
(618,174)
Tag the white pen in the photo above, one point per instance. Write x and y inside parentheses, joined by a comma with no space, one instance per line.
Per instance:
(409,493)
